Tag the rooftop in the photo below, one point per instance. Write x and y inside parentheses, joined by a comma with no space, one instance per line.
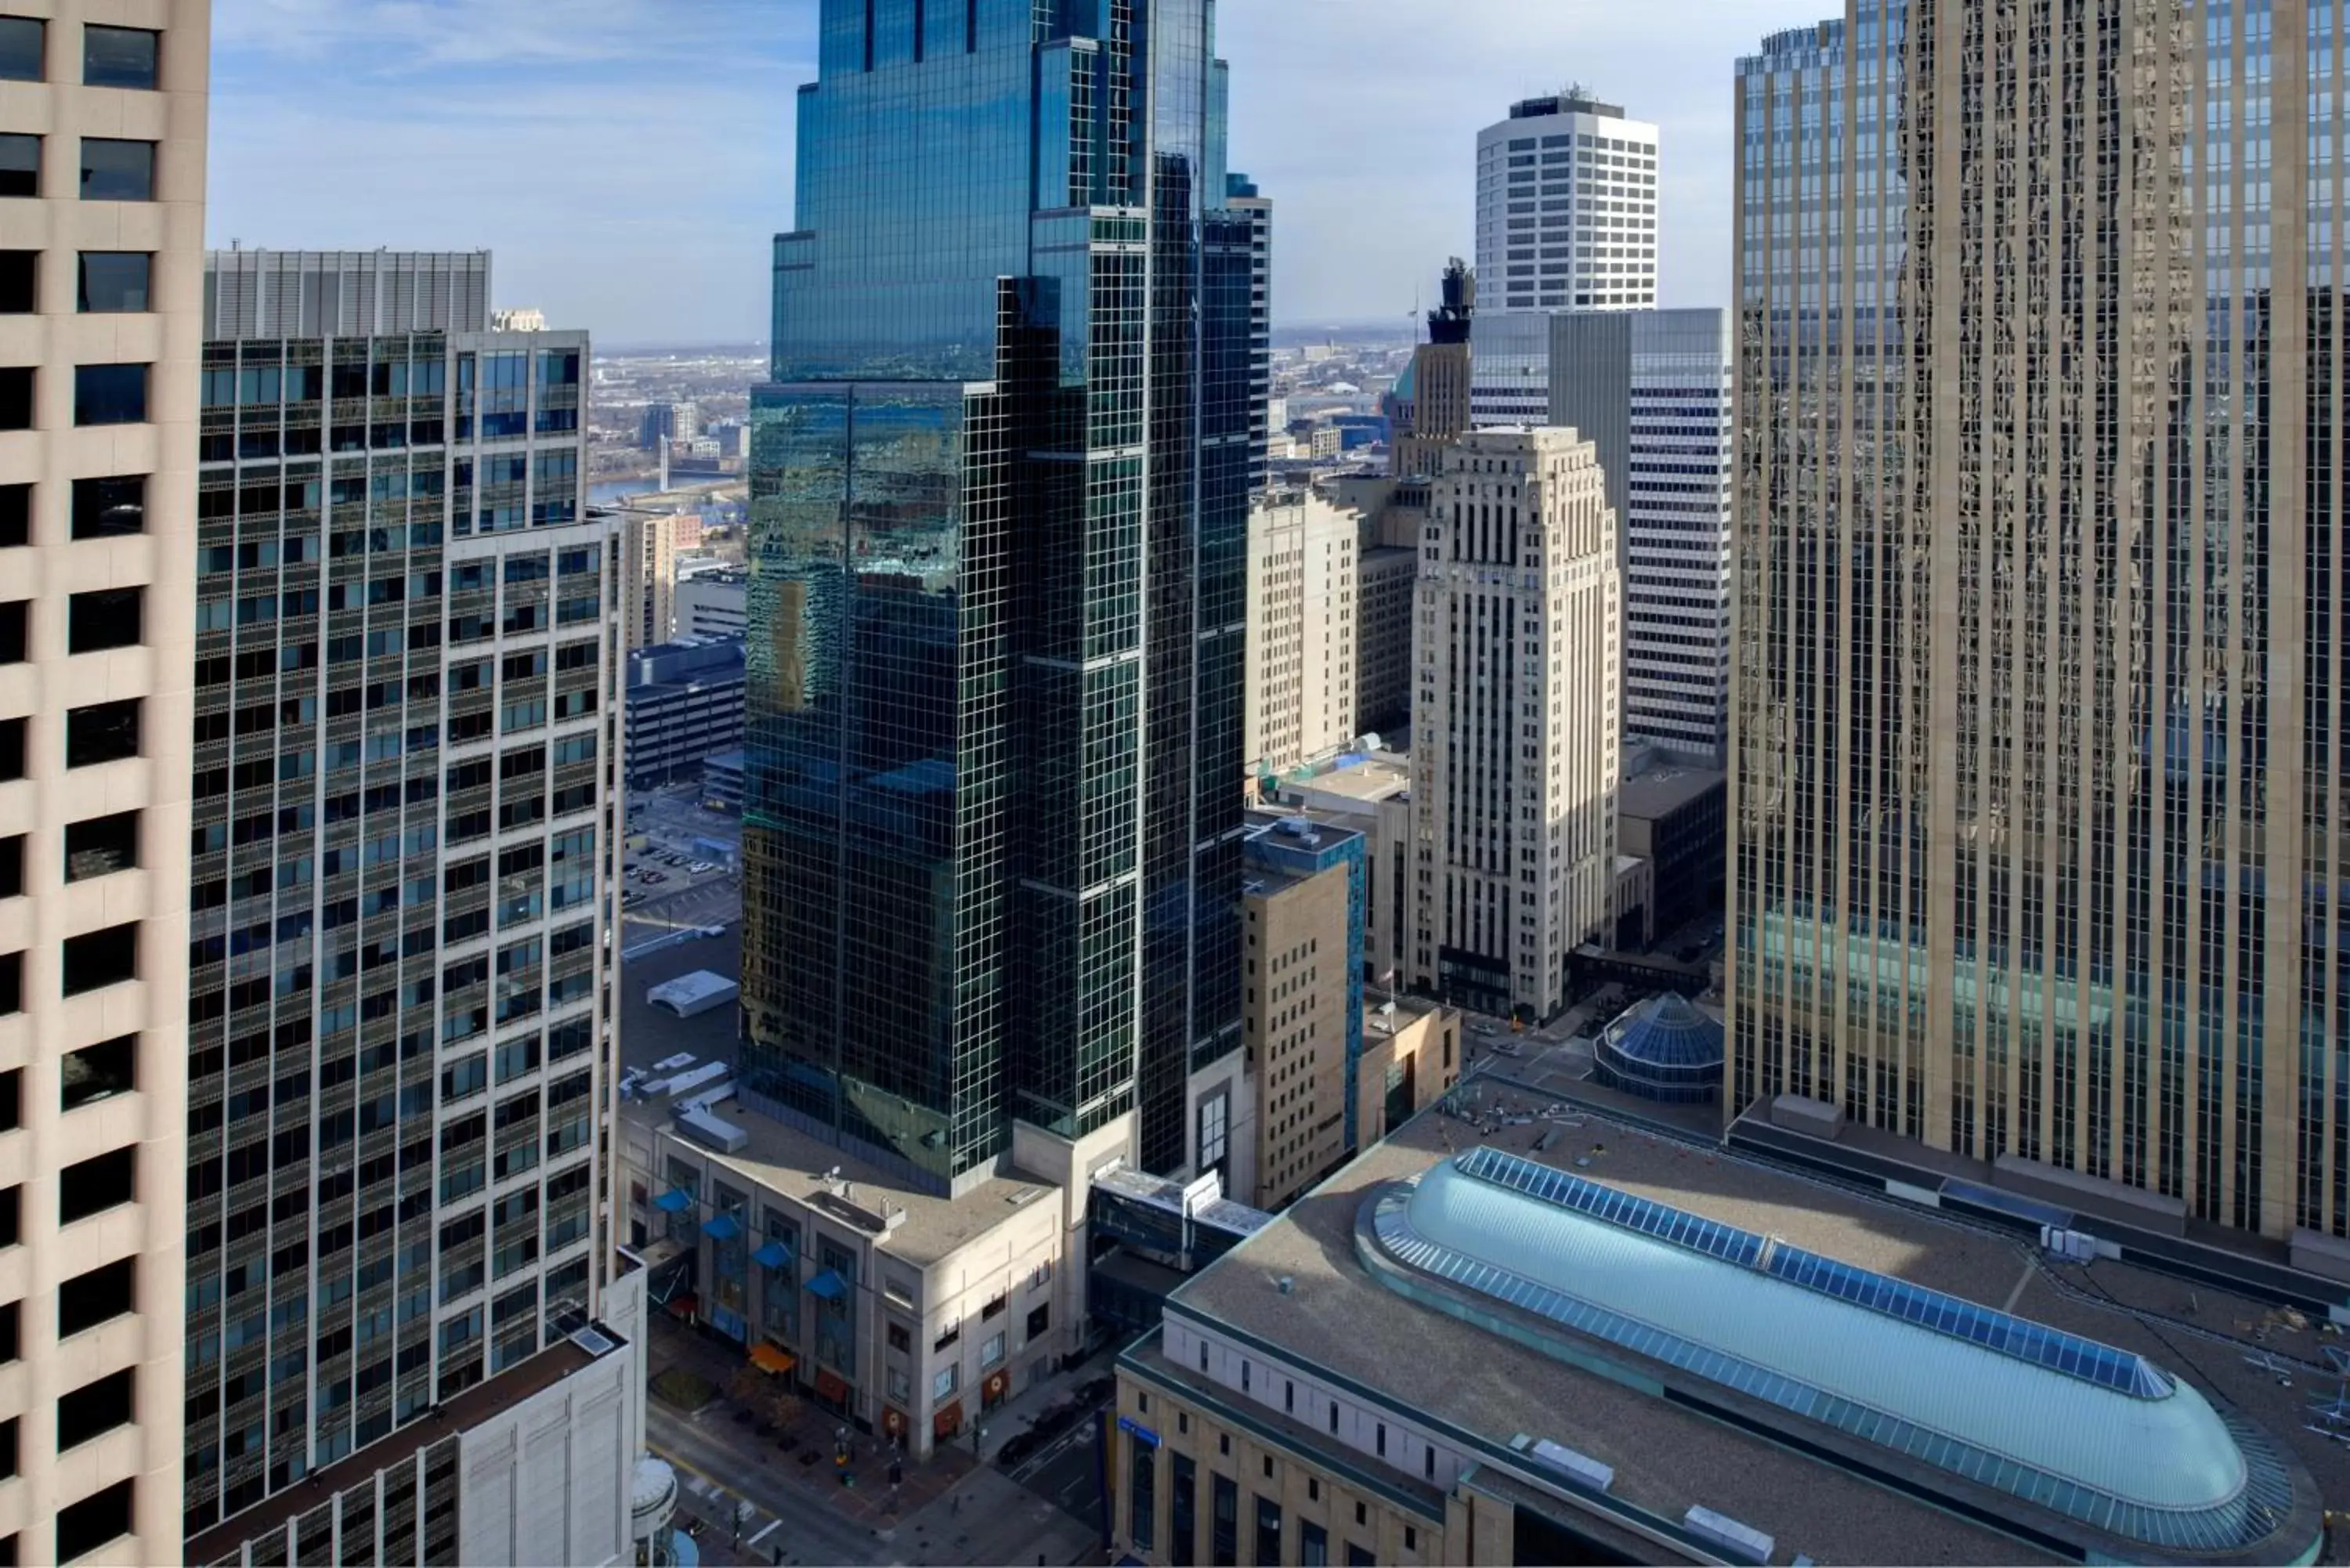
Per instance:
(468,1409)
(781,1159)
(1662,791)
(1667,1459)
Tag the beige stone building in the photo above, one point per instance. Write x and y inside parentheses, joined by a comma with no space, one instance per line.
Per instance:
(1297,988)
(1516,756)
(102,147)
(1411,1055)
(1301,629)
(649,592)
(2039,775)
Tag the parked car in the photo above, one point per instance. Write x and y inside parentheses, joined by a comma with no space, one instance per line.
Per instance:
(699,866)
(656,876)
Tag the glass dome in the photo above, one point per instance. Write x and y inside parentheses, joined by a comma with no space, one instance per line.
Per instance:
(1662,1049)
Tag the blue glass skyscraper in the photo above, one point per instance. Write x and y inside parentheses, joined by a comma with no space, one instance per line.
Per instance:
(999,514)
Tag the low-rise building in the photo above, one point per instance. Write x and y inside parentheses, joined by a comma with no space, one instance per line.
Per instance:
(1485,1341)
(533,1465)
(684,704)
(1676,818)
(900,1310)
(1302,996)
(713,601)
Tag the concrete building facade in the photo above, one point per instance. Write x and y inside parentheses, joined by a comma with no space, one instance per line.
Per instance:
(2039,779)
(406,734)
(684,704)
(1302,996)
(650,613)
(1303,598)
(102,150)
(1516,753)
(1566,208)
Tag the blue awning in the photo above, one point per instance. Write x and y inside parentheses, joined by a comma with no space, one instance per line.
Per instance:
(721,1228)
(676,1201)
(829,1285)
(774,1255)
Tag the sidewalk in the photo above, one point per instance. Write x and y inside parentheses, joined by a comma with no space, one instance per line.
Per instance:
(1020,1412)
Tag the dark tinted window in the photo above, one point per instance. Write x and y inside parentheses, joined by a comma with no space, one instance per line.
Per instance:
(119,56)
(101,846)
(114,280)
(100,959)
(116,170)
(14,618)
(103,733)
(12,983)
(83,1527)
(20,273)
(11,749)
(21,39)
(105,508)
(96,1185)
(12,1204)
(15,397)
(12,1103)
(90,1299)
(12,872)
(97,1072)
(15,515)
(110,394)
(94,1408)
(12,1343)
(104,618)
(20,165)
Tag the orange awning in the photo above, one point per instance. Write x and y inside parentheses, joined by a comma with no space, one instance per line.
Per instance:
(767,1359)
(830,1386)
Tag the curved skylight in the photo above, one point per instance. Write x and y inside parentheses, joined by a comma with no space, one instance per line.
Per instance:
(2084,1430)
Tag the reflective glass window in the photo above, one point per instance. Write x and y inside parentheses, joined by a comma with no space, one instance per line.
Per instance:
(116,170)
(114,281)
(119,56)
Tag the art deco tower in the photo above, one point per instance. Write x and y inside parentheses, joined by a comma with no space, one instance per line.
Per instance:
(2040,756)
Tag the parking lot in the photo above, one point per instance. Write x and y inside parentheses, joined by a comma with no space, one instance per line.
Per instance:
(682,866)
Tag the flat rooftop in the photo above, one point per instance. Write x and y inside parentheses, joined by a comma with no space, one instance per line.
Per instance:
(782,1159)
(1662,791)
(1668,1460)
(468,1409)
(1365,781)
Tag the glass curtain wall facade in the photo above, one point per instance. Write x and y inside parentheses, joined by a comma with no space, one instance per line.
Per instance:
(2040,569)
(999,526)
(400,1027)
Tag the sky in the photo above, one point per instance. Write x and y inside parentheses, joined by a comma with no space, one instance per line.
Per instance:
(628,160)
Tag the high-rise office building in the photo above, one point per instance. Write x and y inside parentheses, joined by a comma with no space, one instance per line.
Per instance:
(1252,235)
(1515,751)
(401,993)
(649,587)
(1651,391)
(1301,601)
(1432,398)
(999,515)
(1566,208)
(2039,770)
(102,114)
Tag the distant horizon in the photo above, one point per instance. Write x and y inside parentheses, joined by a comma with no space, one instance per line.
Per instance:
(658,141)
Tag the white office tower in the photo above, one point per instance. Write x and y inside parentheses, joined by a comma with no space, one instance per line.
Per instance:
(1302,599)
(1566,209)
(1651,391)
(1515,754)
(103,111)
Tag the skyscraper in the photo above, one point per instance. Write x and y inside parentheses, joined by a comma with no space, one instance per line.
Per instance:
(1566,208)
(103,115)
(999,539)
(1515,751)
(406,647)
(2039,771)
(1651,390)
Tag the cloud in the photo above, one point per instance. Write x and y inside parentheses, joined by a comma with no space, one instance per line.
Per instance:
(1359,120)
(628,160)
